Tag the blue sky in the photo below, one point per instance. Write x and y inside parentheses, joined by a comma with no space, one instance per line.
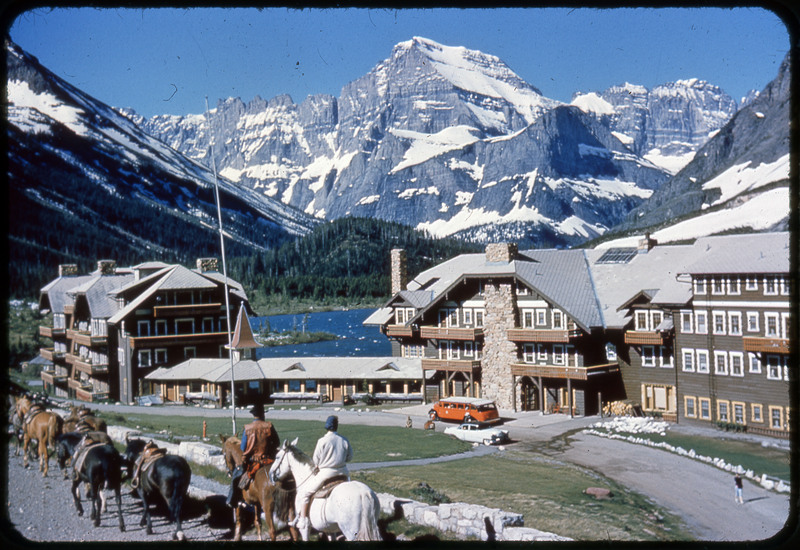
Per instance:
(167,61)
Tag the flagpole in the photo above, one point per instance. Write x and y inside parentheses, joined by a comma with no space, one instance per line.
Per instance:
(224,268)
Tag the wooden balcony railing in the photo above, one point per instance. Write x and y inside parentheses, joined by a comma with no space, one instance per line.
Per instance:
(50,332)
(89,395)
(562,372)
(187,310)
(399,331)
(542,335)
(765,345)
(647,338)
(86,365)
(459,365)
(50,377)
(140,342)
(85,338)
(51,355)
(451,333)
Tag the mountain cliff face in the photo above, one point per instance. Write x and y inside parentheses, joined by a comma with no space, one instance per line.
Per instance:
(441,138)
(86,183)
(666,124)
(742,170)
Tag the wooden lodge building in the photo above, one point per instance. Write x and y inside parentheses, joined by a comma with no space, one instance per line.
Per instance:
(693,332)
(114,326)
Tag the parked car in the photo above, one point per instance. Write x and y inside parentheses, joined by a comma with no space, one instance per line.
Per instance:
(478,433)
(465,409)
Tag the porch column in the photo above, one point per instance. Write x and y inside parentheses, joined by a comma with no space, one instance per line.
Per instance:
(514,392)
(542,408)
(569,397)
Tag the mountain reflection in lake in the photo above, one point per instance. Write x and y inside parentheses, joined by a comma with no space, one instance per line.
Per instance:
(355,339)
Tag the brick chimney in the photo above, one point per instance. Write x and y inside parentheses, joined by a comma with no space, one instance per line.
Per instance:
(67,270)
(106,267)
(501,252)
(399,270)
(207,264)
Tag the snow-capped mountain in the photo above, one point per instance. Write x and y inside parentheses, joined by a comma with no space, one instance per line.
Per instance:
(738,181)
(77,163)
(441,138)
(665,125)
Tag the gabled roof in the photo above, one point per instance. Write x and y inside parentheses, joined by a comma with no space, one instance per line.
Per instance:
(55,292)
(176,277)
(96,293)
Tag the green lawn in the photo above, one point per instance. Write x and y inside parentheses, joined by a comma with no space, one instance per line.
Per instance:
(371,443)
(548,492)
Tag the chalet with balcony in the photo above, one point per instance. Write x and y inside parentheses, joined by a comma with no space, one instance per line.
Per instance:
(690,332)
(113,326)
(733,343)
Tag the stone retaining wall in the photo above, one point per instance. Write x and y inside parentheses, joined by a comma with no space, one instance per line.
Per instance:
(463,520)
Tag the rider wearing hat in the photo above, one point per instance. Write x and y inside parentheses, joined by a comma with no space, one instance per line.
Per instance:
(260,443)
(331,455)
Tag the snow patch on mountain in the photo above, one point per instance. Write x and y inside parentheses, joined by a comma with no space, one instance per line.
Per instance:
(593,103)
(21,96)
(761,213)
(743,178)
(427,146)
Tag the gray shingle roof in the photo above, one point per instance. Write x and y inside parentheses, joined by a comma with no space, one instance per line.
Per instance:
(96,291)
(293,368)
(743,254)
(55,292)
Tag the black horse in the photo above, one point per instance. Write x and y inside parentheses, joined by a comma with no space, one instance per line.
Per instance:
(66,444)
(101,468)
(168,476)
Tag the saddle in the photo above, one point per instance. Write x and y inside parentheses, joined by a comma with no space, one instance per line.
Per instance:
(150,454)
(250,471)
(81,454)
(32,413)
(329,485)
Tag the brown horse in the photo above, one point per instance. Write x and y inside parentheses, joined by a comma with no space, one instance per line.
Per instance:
(41,425)
(78,415)
(275,501)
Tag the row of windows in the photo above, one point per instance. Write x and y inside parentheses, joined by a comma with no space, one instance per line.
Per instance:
(555,354)
(733,363)
(180,326)
(736,412)
(776,325)
(732,286)
(455,350)
(539,318)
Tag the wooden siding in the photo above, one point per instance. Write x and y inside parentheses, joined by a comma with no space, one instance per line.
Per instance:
(634,337)
(561,372)
(765,345)
(187,310)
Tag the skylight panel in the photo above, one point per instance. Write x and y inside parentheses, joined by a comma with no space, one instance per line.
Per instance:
(617,256)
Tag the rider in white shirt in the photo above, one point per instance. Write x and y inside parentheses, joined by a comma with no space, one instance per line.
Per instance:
(331,454)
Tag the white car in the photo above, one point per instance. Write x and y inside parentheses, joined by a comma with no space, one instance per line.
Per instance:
(476,433)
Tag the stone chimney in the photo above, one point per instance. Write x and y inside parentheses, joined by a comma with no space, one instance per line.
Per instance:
(67,270)
(207,264)
(399,270)
(106,267)
(501,252)
(646,243)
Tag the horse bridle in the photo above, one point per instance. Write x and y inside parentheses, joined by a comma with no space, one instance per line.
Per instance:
(277,464)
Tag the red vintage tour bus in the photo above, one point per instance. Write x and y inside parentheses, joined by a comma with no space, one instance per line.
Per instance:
(465,409)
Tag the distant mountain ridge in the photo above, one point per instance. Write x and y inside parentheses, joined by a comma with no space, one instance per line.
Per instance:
(85,181)
(449,140)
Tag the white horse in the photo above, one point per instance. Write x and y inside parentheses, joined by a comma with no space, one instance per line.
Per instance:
(352,507)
